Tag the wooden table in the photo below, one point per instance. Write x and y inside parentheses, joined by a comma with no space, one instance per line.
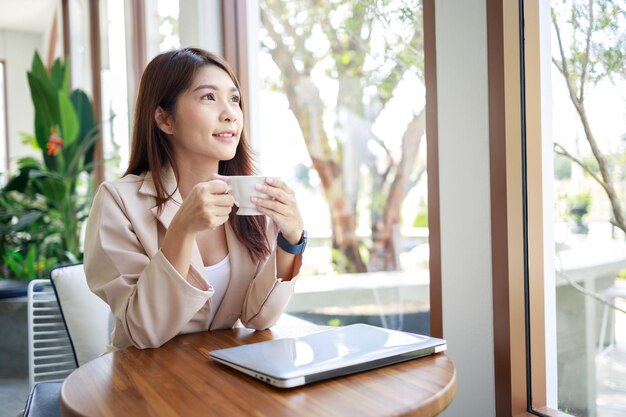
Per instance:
(179,379)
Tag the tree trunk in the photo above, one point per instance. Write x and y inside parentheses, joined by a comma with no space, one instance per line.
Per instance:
(306,104)
(339,171)
(384,253)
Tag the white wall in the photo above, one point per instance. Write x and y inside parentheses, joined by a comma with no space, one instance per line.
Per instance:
(461,36)
(17,49)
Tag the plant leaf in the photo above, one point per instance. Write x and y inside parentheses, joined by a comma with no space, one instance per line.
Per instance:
(50,185)
(19,182)
(46,108)
(37,68)
(84,110)
(69,119)
(82,150)
(26,220)
(57,74)
(42,134)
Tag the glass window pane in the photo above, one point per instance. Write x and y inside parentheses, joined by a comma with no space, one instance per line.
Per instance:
(115,113)
(169,37)
(342,121)
(589,109)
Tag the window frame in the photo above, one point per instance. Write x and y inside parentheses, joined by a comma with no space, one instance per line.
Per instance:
(522,115)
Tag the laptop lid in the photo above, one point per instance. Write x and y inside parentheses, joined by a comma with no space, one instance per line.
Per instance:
(296,361)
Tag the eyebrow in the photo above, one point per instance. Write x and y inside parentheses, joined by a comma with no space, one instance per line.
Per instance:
(213,87)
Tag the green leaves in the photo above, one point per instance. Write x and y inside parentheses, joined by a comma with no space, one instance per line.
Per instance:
(30,266)
(40,208)
(46,106)
(29,243)
(80,153)
(593,40)
(68,119)
(54,109)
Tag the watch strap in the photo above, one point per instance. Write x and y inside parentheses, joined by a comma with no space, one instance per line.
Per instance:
(288,247)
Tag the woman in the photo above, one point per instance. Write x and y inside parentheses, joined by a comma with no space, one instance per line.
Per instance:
(163,246)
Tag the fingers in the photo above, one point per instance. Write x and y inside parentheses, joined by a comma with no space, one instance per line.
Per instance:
(265,206)
(277,200)
(280,205)
(208,206)
(219,208)
(213,191)
(277,190)
(279,184)
(215,186)
(219,177)
(221,200)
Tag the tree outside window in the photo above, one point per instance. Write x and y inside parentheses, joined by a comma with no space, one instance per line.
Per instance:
(352,76)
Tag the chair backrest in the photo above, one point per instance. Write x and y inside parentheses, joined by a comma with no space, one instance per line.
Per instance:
(49,348)
(87,318)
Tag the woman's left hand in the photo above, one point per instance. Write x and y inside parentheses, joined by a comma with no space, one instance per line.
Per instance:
(281,207)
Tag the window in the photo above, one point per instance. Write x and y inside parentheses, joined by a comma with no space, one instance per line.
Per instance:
(115,113)
(162,26)
(169,33)
(342,97)
(589,106)
(127,53)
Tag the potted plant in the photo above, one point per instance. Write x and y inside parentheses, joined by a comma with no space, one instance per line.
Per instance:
(578,209)
(43,206)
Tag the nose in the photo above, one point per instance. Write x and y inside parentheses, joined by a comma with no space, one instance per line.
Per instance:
(228,113)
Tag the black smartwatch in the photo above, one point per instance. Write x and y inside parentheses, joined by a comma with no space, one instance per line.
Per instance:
(288,247)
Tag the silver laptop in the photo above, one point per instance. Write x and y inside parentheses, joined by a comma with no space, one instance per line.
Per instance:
(296,361)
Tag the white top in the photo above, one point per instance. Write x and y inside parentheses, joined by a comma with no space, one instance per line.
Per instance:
(217,276)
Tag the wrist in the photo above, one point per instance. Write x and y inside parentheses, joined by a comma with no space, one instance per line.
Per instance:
(293,238)
(178,236)
(292,248)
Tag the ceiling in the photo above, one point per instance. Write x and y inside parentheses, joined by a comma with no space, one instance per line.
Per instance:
(32,16)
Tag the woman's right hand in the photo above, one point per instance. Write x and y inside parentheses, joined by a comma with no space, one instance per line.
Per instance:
(207,206)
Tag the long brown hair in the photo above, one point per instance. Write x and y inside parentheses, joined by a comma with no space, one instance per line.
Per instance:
(164,79)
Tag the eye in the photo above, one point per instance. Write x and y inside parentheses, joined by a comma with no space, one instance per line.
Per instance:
(209,96)
(235,99)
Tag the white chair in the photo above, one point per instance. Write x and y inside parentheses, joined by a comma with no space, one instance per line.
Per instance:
(49,348)
(610,294)
(68,326)
(87,318)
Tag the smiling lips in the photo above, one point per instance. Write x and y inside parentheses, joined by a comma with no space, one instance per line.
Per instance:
(225,136)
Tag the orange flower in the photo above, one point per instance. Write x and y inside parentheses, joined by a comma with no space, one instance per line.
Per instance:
(55,143)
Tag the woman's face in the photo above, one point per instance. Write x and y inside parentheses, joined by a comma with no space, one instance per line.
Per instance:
(208,121)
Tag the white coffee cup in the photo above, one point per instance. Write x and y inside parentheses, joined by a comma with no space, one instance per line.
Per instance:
(243,188)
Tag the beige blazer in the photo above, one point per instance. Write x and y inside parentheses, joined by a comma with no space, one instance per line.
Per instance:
(150,300)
